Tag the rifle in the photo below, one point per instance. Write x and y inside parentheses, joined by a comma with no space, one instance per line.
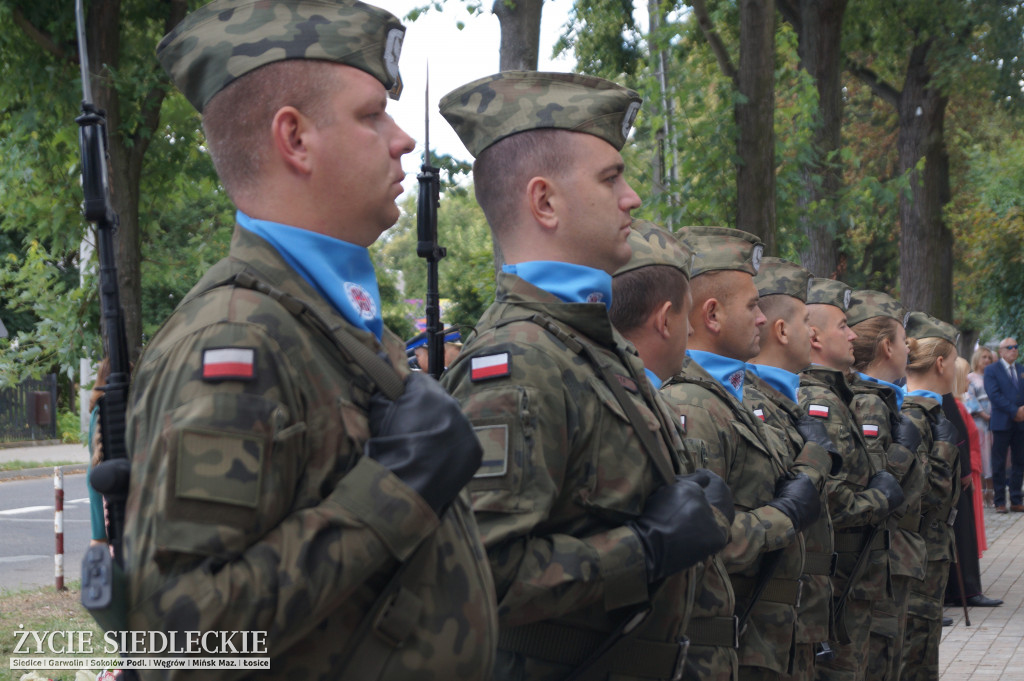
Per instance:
(102,576)
(427,246)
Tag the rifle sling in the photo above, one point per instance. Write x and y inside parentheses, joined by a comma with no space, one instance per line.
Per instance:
(643,432)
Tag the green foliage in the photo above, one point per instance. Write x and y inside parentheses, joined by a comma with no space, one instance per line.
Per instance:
(466,275)
(69,428)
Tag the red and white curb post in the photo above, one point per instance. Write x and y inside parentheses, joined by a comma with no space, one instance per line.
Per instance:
(58,526)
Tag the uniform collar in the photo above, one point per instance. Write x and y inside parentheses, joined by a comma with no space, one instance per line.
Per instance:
(899,392)
(568,282)
(342,273)
(726,371)
(786,382)
(926,393)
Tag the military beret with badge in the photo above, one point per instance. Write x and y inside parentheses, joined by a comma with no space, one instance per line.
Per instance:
(777,276)
(867,304)
(490,109)
(829,292)
(227,39)
(722,248)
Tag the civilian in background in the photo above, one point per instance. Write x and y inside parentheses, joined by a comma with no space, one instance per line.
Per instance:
(977,403)
(1004,384)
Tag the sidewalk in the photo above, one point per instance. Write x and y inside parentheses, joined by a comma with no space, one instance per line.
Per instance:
(41,455)
(992,648)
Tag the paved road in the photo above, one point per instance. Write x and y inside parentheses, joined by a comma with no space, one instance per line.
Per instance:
(26,531)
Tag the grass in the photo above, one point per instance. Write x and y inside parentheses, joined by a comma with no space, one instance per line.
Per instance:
(19,464)
(43,609)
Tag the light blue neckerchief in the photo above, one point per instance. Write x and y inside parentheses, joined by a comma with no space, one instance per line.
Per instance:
(653,378)
(339,271)
(727,371)
(566,281)
(786,382)
(926,393)
(900,394)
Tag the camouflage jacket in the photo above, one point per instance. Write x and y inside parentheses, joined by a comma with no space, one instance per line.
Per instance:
(780,415)
(943,481)
(751,461)
(824,393)
(563,469)
(876,412)
(251,505)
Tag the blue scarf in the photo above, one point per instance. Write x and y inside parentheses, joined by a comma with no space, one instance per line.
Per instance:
(339,271)
(728,372)
(900,394)
(653,378)
(567,282)
(786,382)
(926,393)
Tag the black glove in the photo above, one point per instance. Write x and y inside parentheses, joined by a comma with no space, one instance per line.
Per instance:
(812,429)
(887,484)
(907,434)
(425,440)
(798,498)
(717,492)
(677,529)
(943,430)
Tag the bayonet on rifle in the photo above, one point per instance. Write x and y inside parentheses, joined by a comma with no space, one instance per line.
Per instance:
(427,246)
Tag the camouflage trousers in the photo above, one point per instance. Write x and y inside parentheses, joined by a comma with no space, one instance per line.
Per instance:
(803,663)
(924,624)
(758,674)
(711,663)
(888,627)
(851,658)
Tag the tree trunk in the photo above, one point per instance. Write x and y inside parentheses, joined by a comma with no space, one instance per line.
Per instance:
(819,24)
(127,151)
(926,243)
(520,33)
(755,177)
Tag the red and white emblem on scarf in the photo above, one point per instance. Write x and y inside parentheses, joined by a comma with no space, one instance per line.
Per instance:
(361,300)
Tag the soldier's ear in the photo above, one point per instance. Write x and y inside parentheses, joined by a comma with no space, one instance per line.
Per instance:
(780,330)
(540,193)
(291,134)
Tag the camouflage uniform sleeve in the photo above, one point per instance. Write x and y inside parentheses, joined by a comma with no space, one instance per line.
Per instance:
(754,530)
(850,502)
(535,515)
(217,538)
(815,463)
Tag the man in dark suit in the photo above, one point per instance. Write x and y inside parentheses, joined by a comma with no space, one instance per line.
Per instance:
(1004,383)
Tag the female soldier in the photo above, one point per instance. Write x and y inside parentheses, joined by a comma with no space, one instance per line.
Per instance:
(880,361)
(930,374)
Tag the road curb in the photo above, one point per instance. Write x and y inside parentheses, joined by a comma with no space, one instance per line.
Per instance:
(44,471)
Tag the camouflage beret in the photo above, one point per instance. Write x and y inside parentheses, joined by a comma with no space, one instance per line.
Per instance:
(782,277)
(829,292)
(654,245)
(865,305)
(923,325)
(226,39)
(495,107)
(722,248)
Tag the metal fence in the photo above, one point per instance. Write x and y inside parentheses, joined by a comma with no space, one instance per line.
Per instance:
(29,411)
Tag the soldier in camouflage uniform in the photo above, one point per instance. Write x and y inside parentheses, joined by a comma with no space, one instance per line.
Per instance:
(770,391)
(773,506)
(930,375)
(861,496)
(590,509)
(286,478)
(880,360)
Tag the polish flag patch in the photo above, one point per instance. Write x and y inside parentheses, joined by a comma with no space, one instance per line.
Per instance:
(819,410)
(489,366)
(682,422)
(229,364)
(869,430)
(759,413)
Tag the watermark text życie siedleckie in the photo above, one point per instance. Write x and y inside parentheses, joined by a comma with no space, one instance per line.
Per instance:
(29,642)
